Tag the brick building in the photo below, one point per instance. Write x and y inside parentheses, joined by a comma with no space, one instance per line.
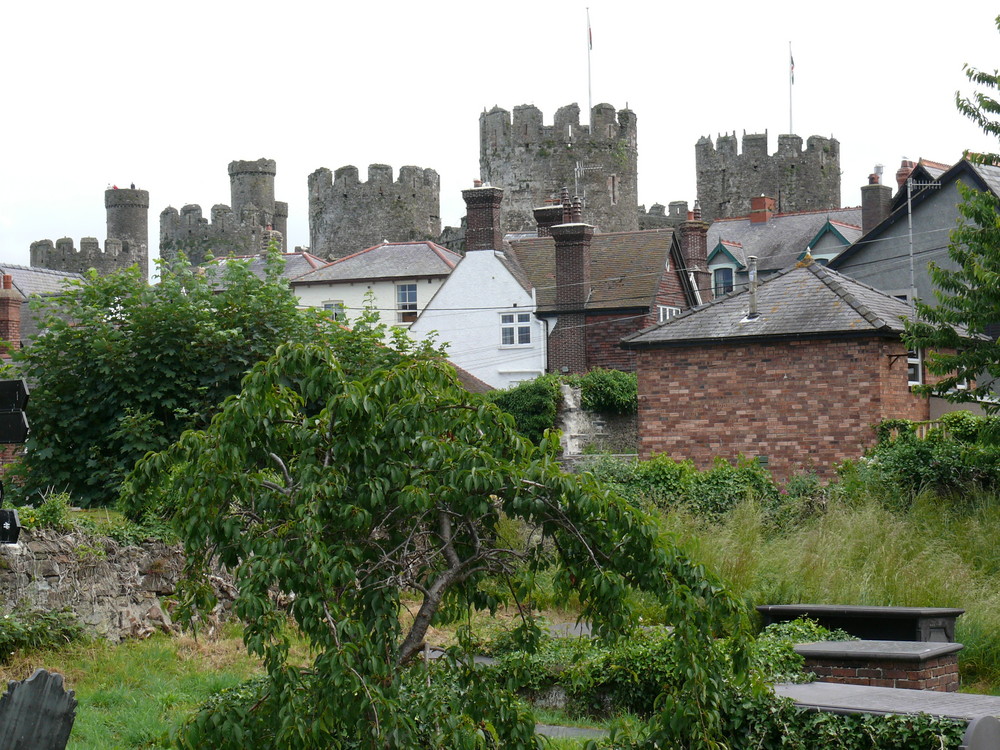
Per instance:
(595,288)
(793,372)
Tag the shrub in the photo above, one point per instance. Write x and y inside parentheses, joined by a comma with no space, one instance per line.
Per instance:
(610,391)
(533,404)
(53,513)
(26,628)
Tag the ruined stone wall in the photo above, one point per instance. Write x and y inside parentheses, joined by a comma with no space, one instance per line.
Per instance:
(246,226)
(115,590)
(347,215)
(799,180)
(532,162)
(127,243)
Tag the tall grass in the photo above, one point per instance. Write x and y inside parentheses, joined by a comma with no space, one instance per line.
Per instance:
(936,553)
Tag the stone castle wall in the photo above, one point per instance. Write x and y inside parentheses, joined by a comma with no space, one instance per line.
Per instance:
(799,180)
(127,243)
(532,162)
(246,227)
(347,215)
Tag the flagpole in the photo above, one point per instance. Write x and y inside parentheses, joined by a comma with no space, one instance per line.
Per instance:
(791,80)
(590,96)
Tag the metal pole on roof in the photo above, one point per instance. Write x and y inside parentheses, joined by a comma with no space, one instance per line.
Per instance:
(590,96)
(910,184)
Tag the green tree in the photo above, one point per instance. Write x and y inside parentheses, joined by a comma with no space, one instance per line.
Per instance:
(123,367)
(340,492)
(953,331)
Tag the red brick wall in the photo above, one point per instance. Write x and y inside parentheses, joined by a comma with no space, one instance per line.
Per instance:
(604,335)
(805,405)
(940,674)
(568,344)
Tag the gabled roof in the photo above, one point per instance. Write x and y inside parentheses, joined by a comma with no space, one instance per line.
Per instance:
(625,268)
(29,280)
(731,250)
(389,260)
(296,264)
(801,302)
(780,241)
(983,177)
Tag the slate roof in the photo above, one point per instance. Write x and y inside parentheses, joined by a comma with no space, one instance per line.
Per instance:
(296,264)
(389,260)
(29,280)
(780,241)
(625,268)
(804,301)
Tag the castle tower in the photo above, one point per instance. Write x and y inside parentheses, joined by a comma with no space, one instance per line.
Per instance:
(247,227)
(347,215)
(127,241)
(128,221)
(798,180)
(532,162)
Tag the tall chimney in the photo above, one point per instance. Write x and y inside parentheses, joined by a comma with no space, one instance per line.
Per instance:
(568,343)
(876,203)
(10,315)
(482,205)
(694,248)
(903,173)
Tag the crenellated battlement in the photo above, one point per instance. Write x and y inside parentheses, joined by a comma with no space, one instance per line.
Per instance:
(347,215)
(799,179)
(245,227)
(533,161)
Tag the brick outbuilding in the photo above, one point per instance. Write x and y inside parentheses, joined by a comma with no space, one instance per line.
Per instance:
(794,371)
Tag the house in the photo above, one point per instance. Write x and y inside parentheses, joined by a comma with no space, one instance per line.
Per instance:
(484,312)
(793,371)
(29,282)
(914,227)
(593,289)
(401,277)
(297,264)
(776,240)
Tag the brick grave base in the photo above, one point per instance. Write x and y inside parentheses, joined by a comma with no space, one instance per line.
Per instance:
(913,665)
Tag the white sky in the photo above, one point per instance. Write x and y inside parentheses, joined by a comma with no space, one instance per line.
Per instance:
(167,94)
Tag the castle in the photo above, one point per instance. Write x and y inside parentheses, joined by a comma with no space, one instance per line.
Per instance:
(126,244)
(798,180)
(247,228)
(532,162)
(346,215)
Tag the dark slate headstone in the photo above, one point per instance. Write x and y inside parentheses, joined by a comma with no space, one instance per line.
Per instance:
(10,524)
(36,714)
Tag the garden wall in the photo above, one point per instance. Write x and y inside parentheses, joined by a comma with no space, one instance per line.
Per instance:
(114,589)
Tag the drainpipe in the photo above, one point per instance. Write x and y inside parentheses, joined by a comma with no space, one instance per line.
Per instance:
(752,260)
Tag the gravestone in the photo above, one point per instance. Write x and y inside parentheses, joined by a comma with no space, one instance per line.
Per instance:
(983,734)
(36,714)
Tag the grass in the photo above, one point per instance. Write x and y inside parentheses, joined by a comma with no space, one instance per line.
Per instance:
(132,695)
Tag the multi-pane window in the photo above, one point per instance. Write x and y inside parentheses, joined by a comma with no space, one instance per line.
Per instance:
(515,329)
(722,281)
(667,312)
(336,306)
(914,367)
(406,303)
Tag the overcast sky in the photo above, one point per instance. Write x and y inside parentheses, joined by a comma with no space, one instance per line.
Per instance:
(167,94)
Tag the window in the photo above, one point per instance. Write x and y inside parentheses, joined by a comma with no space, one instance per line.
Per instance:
(722,281)
(515,329)
(667,312)
(914,367)
(406,303)
(336,306)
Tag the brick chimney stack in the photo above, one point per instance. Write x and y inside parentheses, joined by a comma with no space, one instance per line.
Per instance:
(482,205)
(10,315)
(906,167)
(568,343)
(694,248)
(546,217)
(876,203)
(761,209)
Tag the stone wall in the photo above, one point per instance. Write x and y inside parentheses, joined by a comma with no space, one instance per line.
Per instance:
(532,162)
(584,430)
(799,180)
(347,215)
(115,590)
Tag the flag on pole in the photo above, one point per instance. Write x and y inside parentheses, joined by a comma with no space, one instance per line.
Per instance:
(791,65)
(590,34)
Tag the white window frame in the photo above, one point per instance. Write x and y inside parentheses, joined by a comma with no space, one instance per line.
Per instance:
(915,359)
(667,312)
(336,306)
(518,326)
(406,304)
